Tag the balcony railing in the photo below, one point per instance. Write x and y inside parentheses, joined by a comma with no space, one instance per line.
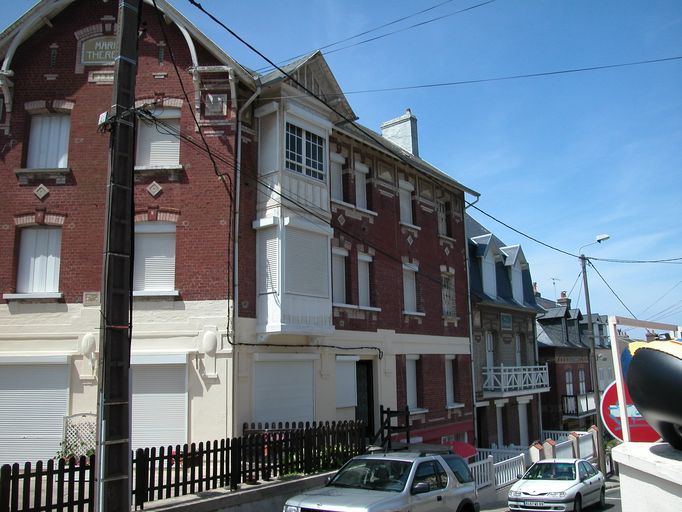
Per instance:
(578,405)
(515,380)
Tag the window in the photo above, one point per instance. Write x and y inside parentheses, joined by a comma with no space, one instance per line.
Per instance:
(444,209)
(364,283)
(154,269)
(346,382)
(581,381)
(361,172)
(215,104)
(450,380)
(569,382)
(312,161)
(48,146)
(448,295)
(158,143)
(336,181)
(405,192)
(306,267)
(339,260)
(517,348)
(410,288)
(432,473)
(411,381)
(39,259)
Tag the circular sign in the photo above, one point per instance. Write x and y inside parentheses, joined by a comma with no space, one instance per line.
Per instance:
(640,430)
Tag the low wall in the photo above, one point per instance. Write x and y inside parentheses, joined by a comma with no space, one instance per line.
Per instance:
(250,498)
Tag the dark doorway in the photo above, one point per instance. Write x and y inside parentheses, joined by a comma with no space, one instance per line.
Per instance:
(365,409)
(482,427)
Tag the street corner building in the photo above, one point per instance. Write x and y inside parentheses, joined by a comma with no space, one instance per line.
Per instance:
(290,264)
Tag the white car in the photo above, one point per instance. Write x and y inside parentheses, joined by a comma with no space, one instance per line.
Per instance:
(558,485)
(394,482)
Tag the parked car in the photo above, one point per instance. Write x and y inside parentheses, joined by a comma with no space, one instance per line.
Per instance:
(558,485)
(394,481)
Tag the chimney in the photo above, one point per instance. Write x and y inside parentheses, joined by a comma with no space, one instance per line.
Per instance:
(403,132)
(563,300)
(536,292)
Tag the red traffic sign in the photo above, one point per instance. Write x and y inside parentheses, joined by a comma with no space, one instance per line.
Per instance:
(640,430)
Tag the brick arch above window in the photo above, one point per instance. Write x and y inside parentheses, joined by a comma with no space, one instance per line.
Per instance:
(39,218)
(49,107)
(160,102)
(157,215)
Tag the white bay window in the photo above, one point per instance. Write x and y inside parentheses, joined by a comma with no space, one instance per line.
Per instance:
(339,259)
(304,152)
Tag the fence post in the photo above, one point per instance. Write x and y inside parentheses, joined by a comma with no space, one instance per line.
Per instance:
(235,462)
(140,470)
(308,450)
(5,473)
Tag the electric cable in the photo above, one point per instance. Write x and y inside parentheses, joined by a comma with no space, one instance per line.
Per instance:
(610,288)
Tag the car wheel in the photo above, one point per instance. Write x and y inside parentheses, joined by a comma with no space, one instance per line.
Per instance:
(578,504)
(602,498)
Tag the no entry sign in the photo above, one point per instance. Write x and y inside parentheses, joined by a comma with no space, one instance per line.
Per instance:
(640,430)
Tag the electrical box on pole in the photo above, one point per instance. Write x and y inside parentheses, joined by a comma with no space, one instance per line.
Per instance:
(113,401)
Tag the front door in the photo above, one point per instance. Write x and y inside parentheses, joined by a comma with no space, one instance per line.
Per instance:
(365,409)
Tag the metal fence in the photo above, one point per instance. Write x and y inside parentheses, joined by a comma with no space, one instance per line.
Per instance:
(166,472)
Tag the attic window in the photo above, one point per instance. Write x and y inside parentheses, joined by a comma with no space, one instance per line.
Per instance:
(215,104)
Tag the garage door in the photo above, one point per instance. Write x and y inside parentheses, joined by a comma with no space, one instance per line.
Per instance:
(159,405)
(33,403)
(284,391)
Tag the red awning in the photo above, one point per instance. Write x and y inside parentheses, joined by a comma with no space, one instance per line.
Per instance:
(464,450)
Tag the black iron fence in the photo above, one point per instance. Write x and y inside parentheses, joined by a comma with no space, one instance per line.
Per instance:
(264,452)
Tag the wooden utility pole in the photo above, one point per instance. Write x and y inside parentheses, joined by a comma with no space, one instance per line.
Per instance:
(113,401)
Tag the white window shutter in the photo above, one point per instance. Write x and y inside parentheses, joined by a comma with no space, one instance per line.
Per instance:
(339,278)
(411,382)
(449,382)
(346,384)
(154,262)
(39,260)
(410,290)
(517,284)
(48,146)
(405,206)
(363,283)
(337,181)
(158,144)
(307,263)
(361,190)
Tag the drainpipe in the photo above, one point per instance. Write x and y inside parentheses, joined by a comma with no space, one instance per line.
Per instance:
(235,231)
(471,324)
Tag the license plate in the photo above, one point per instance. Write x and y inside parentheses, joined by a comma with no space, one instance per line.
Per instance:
(533,504)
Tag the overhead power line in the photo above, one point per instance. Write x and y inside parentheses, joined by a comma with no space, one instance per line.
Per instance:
(612,290)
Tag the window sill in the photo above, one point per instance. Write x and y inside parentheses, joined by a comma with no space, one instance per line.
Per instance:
(33,296)
(454,405)
(343,305)
(171,171)
(367,212)
(156,293)
(410,226)
(343,203)
(418,410)
(58,174)
(369,308)
(447,238)
(414,313)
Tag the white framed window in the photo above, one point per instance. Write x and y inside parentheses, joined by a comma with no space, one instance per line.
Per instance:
(410,288)
(581,382)
(158,143)
(405,190)
(411,381)
(304,152)
(361,172)
(448,295)
(450,380)
(489,349)
(346,381)
(154,265)
(443,209)
(339,258)
(215,104)
(488,269)
(48,145)
(569,382)
(39,260)
(517,349)
(364,283)
(336,172)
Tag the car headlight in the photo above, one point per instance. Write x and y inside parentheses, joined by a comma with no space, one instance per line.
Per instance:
(561,494)
(290,508)
(514,494)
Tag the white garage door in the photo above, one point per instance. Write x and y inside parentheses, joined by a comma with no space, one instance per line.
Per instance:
(284,391)
(159,405)
(33,403)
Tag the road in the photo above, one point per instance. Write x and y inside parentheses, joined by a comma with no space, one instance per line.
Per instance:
(612,503)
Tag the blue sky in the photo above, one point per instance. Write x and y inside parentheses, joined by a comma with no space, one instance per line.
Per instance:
(562,158)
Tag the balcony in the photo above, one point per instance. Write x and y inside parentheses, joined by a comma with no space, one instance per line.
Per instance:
(578,406)
(506,381)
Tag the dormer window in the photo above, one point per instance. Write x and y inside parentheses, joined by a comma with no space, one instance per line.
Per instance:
(304,152)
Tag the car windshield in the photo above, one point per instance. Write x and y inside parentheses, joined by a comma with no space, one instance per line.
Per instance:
(375,474)
(551,471)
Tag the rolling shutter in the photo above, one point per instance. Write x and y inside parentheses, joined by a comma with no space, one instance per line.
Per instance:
(154,262)
(346,381)
(48,146)
(158,144)
(268,261)
(159,405)
(283,391)
(307,263)
(33,403)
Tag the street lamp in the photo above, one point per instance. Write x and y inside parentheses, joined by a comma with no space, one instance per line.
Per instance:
(593,354)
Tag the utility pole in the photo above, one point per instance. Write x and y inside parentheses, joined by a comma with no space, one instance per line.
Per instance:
(593,369)
(113,400)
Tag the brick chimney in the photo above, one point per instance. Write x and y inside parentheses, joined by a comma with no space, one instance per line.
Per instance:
(402,131)
(563,300)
